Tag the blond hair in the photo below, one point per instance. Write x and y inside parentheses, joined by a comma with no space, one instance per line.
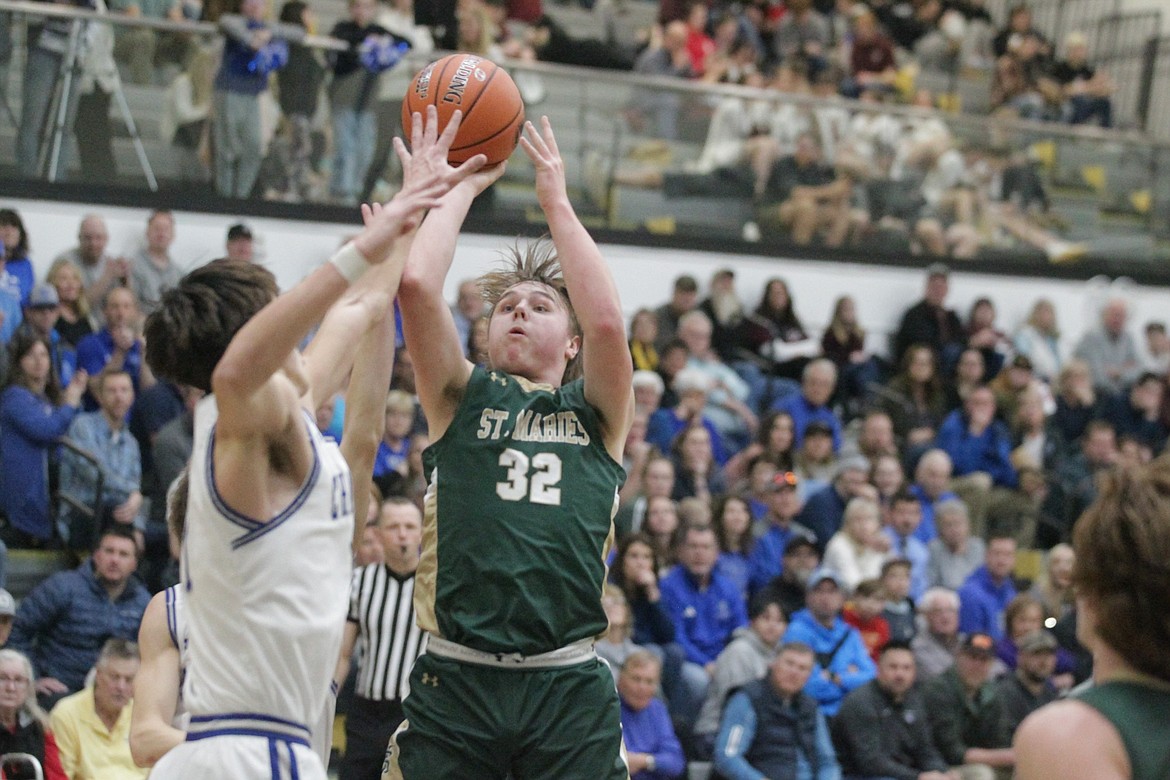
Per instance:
(537,263)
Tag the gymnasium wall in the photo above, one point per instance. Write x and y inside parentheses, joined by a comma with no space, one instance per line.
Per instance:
(644,275)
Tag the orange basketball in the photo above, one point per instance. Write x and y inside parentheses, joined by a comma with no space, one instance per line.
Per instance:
(493,112)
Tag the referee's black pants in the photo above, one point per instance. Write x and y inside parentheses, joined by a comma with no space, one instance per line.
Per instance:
(368,727)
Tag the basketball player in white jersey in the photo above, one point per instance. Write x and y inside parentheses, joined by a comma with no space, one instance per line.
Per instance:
(266,556)
(159,720)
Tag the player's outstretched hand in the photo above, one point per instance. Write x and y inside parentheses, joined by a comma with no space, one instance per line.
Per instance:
(427,177)
(541,148)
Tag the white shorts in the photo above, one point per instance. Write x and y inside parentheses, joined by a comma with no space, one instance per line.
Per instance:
(243,749)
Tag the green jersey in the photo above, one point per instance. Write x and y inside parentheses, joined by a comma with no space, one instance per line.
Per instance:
(1140,714)
(518,519)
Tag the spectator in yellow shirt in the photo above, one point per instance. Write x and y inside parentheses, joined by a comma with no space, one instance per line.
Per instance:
(93,725)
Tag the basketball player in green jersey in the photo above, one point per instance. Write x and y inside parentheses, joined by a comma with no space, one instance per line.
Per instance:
(522,479)
(1117,729)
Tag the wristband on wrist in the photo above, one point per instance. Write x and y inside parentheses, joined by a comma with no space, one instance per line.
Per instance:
(350,263)
(651,764)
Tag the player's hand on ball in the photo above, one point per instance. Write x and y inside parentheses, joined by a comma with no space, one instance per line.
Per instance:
(481,180)
(425,167)
(541,148)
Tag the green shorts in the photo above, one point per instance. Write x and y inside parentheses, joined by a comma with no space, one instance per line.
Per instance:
(482,723)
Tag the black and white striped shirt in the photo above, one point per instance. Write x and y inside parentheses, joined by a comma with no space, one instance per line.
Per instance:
(381,603)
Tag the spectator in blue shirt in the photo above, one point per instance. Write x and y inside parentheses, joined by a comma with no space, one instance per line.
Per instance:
(766,559)
(105,435)
(653,751)
(40,318)
(976,441)
(251,51)
(706,609)
(905,515)
(824,509)
(691,385)
(932,476)
(34,412)
(986,593)
(842,661)
(772,728)
(394,448)
(116,347)
(16,272)
(64,622)
(818,381)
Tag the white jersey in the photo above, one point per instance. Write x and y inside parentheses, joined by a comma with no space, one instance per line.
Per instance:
(177,629)
(266,602)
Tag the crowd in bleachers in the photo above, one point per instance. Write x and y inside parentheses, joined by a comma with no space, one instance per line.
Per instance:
(833,174)
(781,483)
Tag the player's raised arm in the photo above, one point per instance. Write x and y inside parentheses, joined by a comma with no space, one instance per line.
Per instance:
(608,367)
(268,340)
(427,323)
(156,688)
(365,399)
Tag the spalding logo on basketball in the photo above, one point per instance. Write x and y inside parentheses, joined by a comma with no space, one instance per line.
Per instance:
(493,111)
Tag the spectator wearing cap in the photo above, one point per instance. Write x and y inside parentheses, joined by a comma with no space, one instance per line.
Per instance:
(967,718)
(1030,686)
(684,296)
(824,509)
(882,729)
(766,559)
(1137,414)
(818,382)
(987,592)
(936,646)
(40,320)
(800,560)
(842,662)
(900,530)
(239,243)
(929,322)
(706,608)
(691,385)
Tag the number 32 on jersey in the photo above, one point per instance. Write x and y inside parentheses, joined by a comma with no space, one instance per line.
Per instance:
(535,478)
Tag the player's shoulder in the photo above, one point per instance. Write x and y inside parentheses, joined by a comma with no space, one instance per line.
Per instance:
(1071,740)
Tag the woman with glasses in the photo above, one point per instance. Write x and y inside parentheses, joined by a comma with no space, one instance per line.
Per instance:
(24,726)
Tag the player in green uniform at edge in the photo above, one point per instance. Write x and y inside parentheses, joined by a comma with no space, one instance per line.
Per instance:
(522,477)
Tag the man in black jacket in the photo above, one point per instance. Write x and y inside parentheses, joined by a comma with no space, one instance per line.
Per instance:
(929,322)
(882,729)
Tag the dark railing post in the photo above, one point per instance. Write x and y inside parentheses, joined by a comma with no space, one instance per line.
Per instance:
(1146,84)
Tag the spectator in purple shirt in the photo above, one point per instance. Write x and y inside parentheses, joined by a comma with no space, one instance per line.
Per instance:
(653,751)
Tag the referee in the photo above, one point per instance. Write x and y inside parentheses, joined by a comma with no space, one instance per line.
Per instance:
(381,613)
